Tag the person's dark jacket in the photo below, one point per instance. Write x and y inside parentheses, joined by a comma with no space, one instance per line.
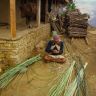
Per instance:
(50,44)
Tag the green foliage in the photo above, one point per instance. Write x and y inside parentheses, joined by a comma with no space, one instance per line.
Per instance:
(10,74)
(58,89)
(76,86)
(71,6)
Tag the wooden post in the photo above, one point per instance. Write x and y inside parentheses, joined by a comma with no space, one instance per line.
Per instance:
(13,18)
(38,12)
(46,12)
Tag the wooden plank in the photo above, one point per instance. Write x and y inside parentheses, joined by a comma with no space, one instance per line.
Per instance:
(13,18)
(38,12)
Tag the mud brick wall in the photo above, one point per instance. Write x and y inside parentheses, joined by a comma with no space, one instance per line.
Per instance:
(17,51)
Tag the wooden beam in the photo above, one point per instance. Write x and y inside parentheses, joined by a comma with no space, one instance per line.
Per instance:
(13,18)
(38,12)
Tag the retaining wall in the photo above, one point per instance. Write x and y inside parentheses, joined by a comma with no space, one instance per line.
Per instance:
(17,51)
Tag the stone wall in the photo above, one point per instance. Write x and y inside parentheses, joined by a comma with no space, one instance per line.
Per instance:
(17,51)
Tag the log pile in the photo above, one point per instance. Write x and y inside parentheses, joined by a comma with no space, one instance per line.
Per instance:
(77,24)
(74,23)
(58,24)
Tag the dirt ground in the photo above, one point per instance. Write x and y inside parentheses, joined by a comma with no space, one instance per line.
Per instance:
(88,53)
(36,81)
(41,76)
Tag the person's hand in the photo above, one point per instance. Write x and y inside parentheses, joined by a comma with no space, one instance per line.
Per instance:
(55,51)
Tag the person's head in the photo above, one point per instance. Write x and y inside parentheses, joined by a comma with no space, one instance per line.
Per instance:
(56,38)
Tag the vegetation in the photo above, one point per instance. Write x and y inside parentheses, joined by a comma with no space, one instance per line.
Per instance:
(71,83)
(71,6)
(10,74)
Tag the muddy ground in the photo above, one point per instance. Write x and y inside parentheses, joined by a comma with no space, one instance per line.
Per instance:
(41,76)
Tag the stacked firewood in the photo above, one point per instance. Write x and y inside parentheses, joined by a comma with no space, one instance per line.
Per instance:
(77,24)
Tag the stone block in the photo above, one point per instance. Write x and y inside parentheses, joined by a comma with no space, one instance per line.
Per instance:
(17,51)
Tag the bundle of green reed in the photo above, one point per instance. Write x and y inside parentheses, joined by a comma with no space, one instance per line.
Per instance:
(75,88)
(10,74)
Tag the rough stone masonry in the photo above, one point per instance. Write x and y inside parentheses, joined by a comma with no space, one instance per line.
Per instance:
(16,51)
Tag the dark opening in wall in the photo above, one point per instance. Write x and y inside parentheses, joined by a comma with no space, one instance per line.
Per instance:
(43,9)
(49,5)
